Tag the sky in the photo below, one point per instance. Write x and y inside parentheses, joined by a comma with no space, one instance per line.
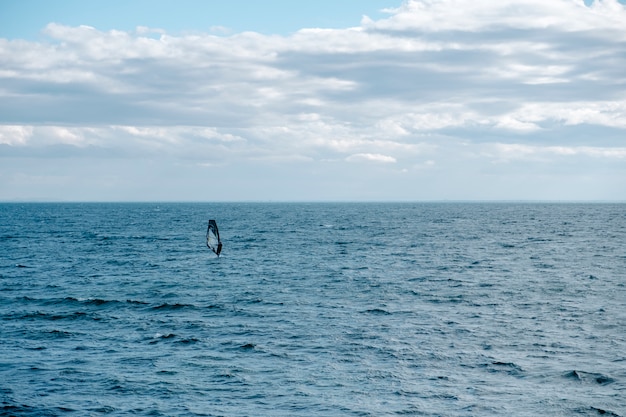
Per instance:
(351,100)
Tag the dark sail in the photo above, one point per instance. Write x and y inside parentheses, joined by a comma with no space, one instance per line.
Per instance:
(213,238)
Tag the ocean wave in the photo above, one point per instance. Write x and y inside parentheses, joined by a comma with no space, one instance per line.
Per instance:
(589,377)
(175,306)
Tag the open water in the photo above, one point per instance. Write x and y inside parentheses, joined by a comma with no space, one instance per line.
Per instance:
(313,310)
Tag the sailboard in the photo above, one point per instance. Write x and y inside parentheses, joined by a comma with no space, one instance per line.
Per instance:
(213,238)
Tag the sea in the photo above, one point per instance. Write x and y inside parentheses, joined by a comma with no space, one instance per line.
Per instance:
(313,309)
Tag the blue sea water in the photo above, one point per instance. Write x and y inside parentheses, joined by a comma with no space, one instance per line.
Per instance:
(343,309)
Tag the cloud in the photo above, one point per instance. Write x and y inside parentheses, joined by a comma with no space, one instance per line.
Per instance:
(481,15)
(438,80)
(15,135)
(507,152)
(370,157)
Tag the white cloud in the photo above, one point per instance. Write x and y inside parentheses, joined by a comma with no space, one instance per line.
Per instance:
(369,157)
(601,113)
(511,123)
(479,15)
(438,80)
(507,152)
(15,135)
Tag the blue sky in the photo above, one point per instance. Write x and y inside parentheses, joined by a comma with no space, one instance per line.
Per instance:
(24,19)
(312,101)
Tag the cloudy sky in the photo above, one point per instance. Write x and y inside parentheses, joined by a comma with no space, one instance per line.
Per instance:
(364,100)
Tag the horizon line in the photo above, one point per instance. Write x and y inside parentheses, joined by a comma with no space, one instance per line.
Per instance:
(321,201)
